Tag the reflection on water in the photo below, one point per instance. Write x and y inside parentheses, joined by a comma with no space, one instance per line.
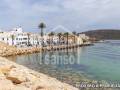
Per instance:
(58,64)
(100,62)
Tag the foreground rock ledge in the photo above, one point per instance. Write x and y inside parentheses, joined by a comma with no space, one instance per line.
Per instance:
(18,77)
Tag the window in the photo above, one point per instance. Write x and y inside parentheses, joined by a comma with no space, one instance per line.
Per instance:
(24,38)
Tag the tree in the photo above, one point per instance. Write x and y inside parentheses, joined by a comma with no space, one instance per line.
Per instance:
(74,34)
(66,34)
(59,35)
(12,37)
(51,34)
(28,35)
(42,26)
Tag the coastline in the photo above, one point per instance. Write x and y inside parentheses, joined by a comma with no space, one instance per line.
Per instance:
(6,50)
(18,77)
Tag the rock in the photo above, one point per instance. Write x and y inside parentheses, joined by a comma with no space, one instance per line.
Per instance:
(15,80)
(6,85)
(2,76)
(20,88)
(31,78)
(6,68)
(16,76)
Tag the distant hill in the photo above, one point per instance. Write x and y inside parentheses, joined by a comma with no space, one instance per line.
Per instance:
(104,34)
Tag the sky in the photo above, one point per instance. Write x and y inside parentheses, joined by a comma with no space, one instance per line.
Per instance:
(75,15)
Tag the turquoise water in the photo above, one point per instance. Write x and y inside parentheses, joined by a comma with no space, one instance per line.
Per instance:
(98,62)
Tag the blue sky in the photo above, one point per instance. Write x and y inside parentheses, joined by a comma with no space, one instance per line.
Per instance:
(76,15)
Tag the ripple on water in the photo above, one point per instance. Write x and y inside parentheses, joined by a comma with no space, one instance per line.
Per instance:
(100,62)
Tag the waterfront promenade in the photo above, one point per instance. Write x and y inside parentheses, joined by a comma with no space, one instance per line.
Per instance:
(6,50)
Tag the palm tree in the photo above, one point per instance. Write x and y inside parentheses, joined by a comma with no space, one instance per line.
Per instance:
(42,26)
(74,34)
(12,37)
(51,34)
(66,34)
(48,42)
(59,35)
(28,43)
(37,40)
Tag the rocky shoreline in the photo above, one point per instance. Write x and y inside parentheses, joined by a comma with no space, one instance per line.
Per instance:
(18,77)
(6,50)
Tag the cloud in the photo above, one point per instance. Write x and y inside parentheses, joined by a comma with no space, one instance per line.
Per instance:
(77,15)
(22,12)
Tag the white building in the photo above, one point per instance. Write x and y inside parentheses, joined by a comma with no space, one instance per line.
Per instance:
(6,37)
(79,40)
(83,36)
(19,38)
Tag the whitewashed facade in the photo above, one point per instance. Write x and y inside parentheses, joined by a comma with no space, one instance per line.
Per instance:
(19,38)
(83,36)
(79,40)
(6,37)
